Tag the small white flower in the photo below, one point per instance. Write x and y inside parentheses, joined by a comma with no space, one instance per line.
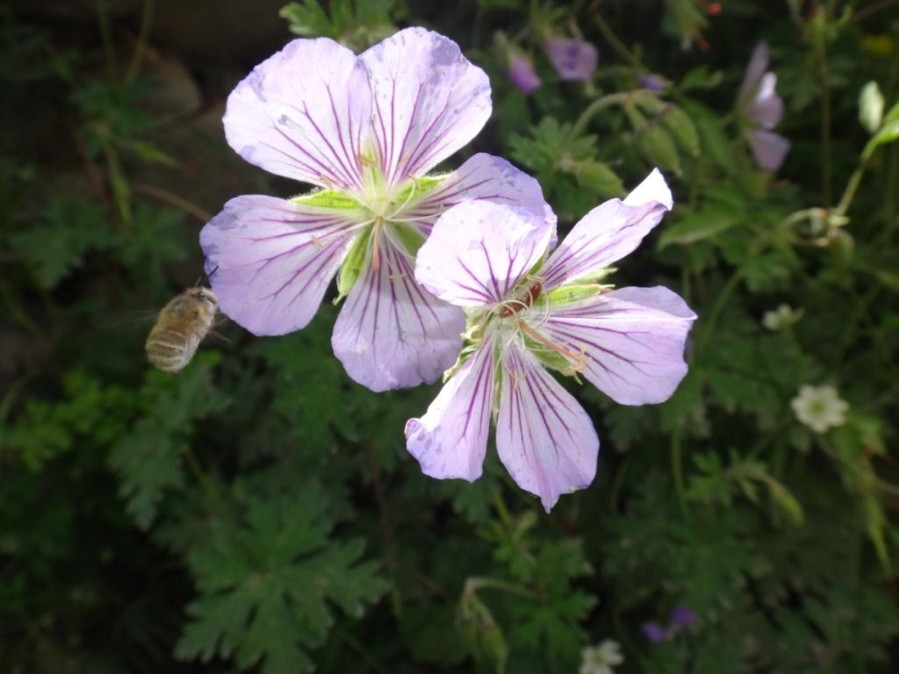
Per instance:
(819,407)
(781,318)
(602,658)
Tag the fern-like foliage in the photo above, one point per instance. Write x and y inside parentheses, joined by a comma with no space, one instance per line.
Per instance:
(266,580)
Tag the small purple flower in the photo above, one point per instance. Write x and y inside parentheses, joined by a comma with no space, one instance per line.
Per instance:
(652,81)
(682,616)
(759,109)
(522,73)
(530,309)
(366,130)
(572,59)
(654,632)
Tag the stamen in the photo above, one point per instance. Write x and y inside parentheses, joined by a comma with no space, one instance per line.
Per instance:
(517,305)
(318,241)
(578,360)
(375,241)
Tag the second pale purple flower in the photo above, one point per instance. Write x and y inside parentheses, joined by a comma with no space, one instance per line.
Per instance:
(530,310)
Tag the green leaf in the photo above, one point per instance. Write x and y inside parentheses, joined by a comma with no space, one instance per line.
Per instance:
(307,19)
(267,583)
(482,636)
(147,459)
(700,225)
(57,245)
(598,177)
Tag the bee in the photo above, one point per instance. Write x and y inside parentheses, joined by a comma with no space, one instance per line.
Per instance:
(180,327)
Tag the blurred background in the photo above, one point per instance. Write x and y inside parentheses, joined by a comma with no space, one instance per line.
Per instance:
(259,512)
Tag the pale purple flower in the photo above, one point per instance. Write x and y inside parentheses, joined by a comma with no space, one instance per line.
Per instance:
(529,309)
(366,130)
(522,73)
(571,58)
(760,109)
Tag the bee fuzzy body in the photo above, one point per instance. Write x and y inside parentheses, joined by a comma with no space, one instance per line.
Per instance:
(182,324)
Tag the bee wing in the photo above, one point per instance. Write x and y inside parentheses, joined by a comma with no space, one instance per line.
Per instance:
(120,320)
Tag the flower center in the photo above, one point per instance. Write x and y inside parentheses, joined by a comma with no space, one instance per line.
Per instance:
(513,319)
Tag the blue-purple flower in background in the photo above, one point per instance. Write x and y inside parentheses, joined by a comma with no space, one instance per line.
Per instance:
(521,72)
(529,310)
(366,130)
(572,59)
(759,109)
(682,617)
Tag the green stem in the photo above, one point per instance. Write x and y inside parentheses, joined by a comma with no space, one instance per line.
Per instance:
(677,469)
(143,36)
(718,307)
(106,39)
(595,107)
(120,189)
(472,585)
(824,83)
(851,188)
(617,45)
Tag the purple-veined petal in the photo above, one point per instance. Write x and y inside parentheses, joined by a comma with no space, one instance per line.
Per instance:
(633,340)
(391,333)
(450,440)
(303,113)
(544,437)
(270,261)
(485,177)
(758,64)
(609,232)
(572,59)
(769,149)
(429,101)
(767,108)
(479,250)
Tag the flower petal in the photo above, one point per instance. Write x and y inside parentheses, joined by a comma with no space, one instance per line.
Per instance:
(270,261)
(479,250)
(391,333)
(571,58)
(633,339)
(522,74)
(429,101)
(767,108)
(609,232)
(482,177)
(450,440)
(544,437)
(303,113)
(769,149)
(758,64)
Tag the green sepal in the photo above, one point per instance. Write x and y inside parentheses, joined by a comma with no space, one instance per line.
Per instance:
(464,355)
(571,293)
(547,357)
(409,238)
(330,199)
(418,187)
(353,264)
